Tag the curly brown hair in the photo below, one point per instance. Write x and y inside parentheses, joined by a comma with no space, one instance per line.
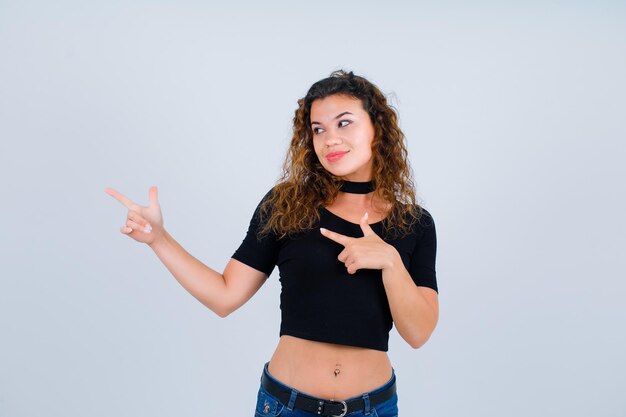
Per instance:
(306,186)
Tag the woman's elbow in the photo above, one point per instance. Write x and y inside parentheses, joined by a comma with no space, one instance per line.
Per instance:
(222,310)
(418,341)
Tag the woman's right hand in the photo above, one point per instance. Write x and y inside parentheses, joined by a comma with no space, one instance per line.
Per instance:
(144,224)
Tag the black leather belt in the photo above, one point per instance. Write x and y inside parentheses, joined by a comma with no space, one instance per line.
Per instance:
(324,407)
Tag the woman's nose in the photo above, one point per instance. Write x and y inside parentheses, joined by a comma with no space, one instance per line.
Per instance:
(333,138)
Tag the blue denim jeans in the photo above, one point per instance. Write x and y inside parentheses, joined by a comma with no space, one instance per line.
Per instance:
(269,406)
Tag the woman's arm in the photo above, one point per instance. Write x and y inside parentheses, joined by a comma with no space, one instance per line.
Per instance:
(221,293)
(415,310)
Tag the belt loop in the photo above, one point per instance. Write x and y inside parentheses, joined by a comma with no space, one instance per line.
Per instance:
(366,400)
(292,399)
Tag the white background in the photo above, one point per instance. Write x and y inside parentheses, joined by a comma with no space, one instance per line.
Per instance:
(514,117)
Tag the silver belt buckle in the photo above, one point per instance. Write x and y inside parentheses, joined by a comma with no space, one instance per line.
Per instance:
(345,408)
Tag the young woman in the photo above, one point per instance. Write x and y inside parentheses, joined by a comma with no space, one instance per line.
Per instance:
(355,252)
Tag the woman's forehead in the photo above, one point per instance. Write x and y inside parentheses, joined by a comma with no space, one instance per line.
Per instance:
(330,106)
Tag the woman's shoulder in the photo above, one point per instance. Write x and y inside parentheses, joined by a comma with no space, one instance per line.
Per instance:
(279,194)
(417,219)
(268,202)
(270,193)
(424,219)
(416,211)
(425,215)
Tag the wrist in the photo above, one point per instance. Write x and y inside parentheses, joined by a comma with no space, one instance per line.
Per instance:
(159,240)
(394,259)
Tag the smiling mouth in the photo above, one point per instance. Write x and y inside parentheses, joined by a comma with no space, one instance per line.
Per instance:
(335,156)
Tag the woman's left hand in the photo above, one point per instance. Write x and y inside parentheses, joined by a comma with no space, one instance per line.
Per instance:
(368,252)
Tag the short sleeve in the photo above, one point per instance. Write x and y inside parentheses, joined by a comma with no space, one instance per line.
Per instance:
(260,254)
(422,267)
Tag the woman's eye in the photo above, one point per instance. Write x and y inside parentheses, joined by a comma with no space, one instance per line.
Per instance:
(347,122)
(317,130)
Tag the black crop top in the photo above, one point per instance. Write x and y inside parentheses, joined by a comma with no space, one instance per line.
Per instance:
(319,300)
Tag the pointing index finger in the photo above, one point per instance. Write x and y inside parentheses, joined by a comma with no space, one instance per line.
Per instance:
(337,237)
(120,197)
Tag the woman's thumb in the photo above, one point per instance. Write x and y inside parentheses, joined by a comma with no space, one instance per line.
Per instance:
(153,196)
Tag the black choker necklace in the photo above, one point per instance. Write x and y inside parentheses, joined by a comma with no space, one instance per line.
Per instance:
(357,187)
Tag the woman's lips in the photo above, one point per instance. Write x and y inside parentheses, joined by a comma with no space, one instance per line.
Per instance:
(335,156)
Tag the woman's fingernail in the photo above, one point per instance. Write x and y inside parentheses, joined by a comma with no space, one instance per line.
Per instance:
(147,229)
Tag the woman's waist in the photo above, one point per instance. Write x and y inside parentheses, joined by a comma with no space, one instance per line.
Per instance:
(328,370)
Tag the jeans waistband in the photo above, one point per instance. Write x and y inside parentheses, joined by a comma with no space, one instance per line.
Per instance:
(287,387)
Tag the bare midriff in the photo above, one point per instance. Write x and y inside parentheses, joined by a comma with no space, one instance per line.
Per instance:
(328,370)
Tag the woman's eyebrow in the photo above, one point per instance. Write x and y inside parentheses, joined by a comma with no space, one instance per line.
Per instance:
(336,117)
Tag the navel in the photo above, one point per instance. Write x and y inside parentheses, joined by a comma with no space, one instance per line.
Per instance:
(337,369)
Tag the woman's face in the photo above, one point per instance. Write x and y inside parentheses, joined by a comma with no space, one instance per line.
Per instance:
(342,137)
